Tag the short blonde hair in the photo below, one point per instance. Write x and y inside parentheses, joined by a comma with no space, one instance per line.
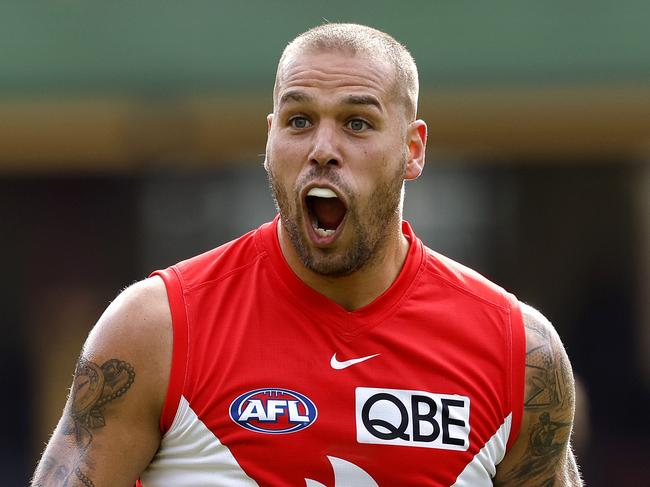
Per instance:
(360,39)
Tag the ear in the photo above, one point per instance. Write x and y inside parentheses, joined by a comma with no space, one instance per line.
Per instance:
(269,123)
(417,142)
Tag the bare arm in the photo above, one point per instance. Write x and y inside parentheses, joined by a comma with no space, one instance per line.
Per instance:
(109,432)
(542,454)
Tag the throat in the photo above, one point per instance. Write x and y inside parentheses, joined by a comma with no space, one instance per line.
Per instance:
(358,289)
(326,213)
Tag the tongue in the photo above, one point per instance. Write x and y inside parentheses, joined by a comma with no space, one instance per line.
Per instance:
(329,212)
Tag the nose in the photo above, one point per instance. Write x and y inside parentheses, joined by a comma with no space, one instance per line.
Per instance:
(324,150)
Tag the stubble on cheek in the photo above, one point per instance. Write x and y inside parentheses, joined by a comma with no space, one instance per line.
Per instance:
(290,211)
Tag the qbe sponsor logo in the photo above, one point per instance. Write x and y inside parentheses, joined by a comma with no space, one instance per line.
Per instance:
(412,418)
(273,411)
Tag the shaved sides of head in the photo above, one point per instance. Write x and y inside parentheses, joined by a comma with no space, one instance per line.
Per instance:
(355,39)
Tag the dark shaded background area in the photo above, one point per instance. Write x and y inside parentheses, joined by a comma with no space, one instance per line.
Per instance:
(561,237)
(66,244)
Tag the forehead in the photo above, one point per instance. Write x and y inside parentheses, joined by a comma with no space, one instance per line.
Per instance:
(333,73)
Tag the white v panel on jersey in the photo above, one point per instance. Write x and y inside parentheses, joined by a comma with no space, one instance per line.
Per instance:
(482,468)
(190,455)
(346,474)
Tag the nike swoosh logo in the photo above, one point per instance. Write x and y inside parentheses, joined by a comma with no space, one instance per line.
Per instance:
(335,364)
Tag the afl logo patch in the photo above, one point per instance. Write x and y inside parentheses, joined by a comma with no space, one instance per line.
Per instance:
(273,411)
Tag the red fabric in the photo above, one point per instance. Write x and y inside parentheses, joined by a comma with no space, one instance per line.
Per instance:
(174,286)
(518,373)
(244,321)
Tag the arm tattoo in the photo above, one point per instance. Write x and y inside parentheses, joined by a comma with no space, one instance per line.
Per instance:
(53,472)
(94,387)
(549,400)
(57,474)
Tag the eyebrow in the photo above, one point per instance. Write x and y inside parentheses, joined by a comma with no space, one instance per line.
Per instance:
(298,96)
(295,96)
(368,100)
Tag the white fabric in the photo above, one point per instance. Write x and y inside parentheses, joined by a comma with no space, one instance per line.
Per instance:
(191,455)
(483,467)
(346,474)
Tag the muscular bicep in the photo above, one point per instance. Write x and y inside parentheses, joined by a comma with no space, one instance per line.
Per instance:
(109,431)
(542,454)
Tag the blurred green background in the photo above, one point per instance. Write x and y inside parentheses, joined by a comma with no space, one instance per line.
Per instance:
(132,136)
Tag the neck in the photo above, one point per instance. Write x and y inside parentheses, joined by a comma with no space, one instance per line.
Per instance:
(363,286)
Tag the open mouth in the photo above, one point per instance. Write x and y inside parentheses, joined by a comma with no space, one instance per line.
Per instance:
(326,213)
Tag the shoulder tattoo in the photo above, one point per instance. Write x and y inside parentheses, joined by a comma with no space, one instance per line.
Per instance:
(549,381)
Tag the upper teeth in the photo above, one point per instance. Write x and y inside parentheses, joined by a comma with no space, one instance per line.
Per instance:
(322,193)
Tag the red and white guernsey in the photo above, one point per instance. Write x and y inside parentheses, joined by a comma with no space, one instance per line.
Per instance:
(272,384)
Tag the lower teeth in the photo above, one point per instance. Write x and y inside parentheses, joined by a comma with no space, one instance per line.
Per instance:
(323,232)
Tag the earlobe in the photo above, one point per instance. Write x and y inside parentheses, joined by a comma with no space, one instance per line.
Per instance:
(417,142)
(269,121)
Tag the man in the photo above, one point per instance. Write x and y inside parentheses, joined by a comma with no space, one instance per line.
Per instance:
(329,347)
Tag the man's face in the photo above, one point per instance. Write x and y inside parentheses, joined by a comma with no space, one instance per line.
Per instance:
(337,155)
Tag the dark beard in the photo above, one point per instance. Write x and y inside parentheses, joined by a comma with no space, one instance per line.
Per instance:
(371,230)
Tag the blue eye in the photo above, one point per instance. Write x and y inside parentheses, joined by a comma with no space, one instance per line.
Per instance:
(299,123)
(357,124)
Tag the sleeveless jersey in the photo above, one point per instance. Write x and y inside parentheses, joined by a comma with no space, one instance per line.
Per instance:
(273,384)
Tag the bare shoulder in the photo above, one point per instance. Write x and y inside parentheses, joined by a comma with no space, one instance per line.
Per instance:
(109,431)
(137,328)
(542,453)
(137,321)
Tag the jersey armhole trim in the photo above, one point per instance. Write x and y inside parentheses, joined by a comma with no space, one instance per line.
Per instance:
(173,280)
(517,369)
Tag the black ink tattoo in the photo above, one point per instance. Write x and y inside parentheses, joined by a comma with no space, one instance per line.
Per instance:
(83,478)
(52,470)
(543,450)
(55,474)
(542,436)
(94,387)
(547,382)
